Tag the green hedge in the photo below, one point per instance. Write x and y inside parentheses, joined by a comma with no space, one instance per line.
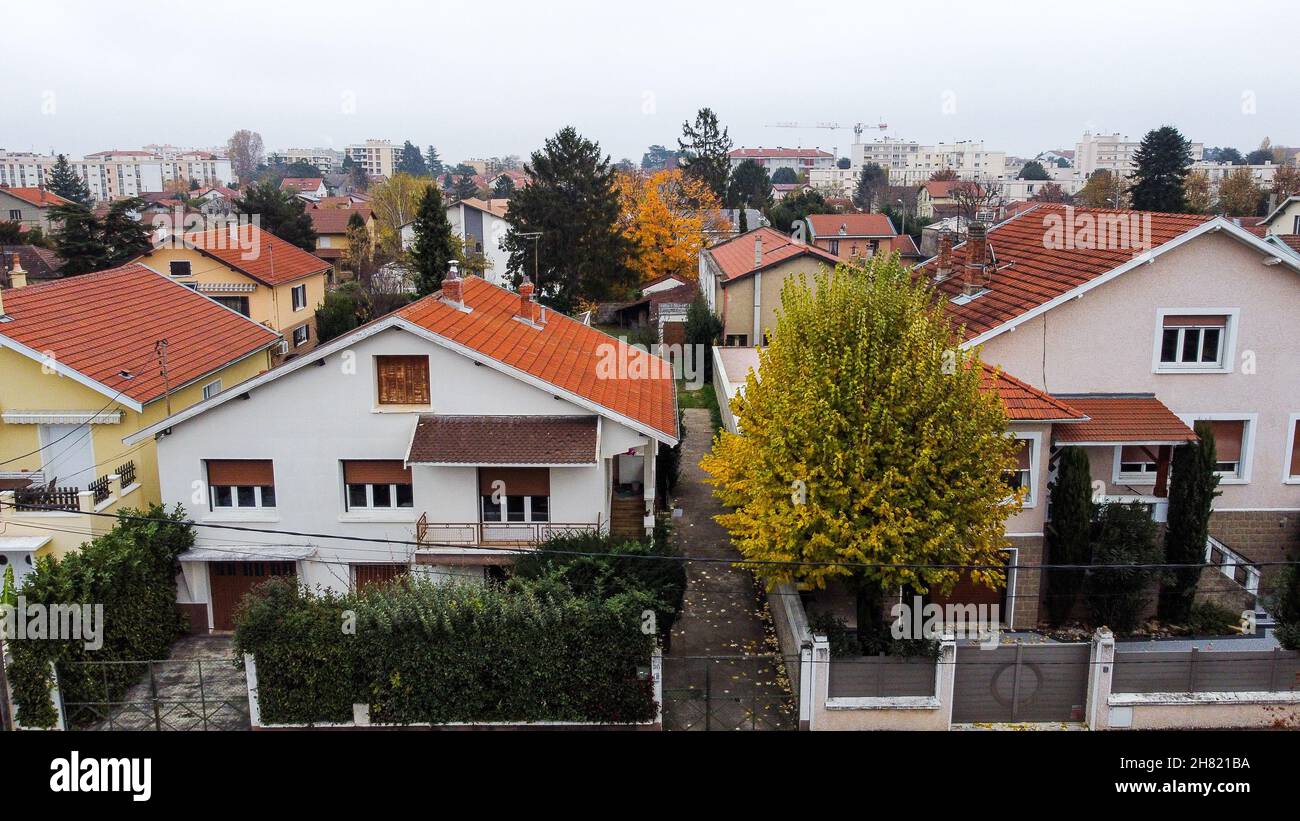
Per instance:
(430,652)
(131,571)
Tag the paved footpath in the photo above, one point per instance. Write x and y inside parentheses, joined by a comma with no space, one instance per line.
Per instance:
(723,670)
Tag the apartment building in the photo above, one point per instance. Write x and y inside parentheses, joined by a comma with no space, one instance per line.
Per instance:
(377,157)
(800,160)
(1112,152)
(114,174)
(911,163)
(326,160)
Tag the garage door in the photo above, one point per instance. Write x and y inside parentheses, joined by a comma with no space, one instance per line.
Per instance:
(231,580)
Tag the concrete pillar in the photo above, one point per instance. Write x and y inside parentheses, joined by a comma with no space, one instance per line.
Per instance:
(945,675)
(818,680)
(1101,671)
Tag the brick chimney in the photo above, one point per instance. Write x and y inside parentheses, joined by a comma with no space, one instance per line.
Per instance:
(758,250)
(453,292)
(17,276)
(943,267)
(977,258)
(528,310)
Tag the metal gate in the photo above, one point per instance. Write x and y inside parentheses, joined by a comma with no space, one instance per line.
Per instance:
(1022,682)
(172,694)
(727,693)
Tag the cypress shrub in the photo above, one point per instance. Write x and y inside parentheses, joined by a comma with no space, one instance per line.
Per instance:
(1192,484)
(1069,532)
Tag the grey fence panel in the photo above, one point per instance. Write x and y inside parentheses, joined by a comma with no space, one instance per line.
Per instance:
(1206,671)
(1044,682)
(881,677)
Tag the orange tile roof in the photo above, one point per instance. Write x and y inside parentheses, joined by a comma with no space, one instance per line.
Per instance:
(275,262)
(854,225)
(300,183)
(1120,418)
(103,323)
(36,196)
(564,352)
(1024,402)
(335,220)
(940,189)
(1027,273)
(736,256)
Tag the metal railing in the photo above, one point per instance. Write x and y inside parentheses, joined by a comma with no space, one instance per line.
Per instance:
(100,489)
(126,473)
(514,533)
(41,499)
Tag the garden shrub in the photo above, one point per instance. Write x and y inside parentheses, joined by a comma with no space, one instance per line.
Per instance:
(1210,619)
(1284,606)
(421,651)
(838,635)
(1126,538)
(131,571)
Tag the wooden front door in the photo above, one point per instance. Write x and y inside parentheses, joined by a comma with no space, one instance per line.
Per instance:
(231,580)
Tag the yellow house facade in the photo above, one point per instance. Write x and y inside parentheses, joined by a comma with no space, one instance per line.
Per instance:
(84,363)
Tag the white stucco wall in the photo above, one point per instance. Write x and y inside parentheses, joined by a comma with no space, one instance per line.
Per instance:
(1105,342)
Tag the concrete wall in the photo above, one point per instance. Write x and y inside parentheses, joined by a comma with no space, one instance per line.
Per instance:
(898,713)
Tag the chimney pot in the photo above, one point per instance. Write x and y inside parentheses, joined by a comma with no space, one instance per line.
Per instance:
(758,250)
(977,256)
(17,276)
(453,287)
(943,268)
(528,309)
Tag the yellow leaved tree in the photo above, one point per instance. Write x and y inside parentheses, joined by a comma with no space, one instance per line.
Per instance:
(868,450)
(665,215)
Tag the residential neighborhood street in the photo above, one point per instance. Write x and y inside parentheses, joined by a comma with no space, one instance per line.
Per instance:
(723,670)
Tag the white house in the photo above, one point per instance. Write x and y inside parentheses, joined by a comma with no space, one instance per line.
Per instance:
(482,226)
(441,439)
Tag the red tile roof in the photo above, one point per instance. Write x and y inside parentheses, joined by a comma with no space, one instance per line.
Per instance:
(1289,240)
(103,323)
(1024,402)
(274,261)
(335,220)
(940,189)
(564,352)
(1120,418)
(736,256)
(778,153)
(504,440)
(36,196)
(1028,273)
(906,246)
(300,183)
(853,225)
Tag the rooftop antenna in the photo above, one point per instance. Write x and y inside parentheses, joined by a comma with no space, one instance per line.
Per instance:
(160,350)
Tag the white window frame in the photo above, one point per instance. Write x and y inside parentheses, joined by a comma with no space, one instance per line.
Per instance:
(212,389)
(1227,344)
(370,497)
(306,336)
(528,511)
(1291,445)
(234,498)
(1035,439)
(295,291)
(1247,459)
(1117,477)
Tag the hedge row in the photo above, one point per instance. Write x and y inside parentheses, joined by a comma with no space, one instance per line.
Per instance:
(131,571)
(417,651)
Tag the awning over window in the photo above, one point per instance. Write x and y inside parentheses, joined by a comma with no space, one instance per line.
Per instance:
(519,441)
(230,472)
(1122,419)
(376,472)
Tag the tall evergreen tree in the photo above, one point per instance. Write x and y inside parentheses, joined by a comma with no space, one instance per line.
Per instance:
(279,212)
(1192,484)
(1069,532)
(433,249)
(465,187)
(411,161)
(572,201)
(65,182)
(504,188)
(433,162)
(872,180)
(125,238)
(79,239)
(705,151)
(1163,161)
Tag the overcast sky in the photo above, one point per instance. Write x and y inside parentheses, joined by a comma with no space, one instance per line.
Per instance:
(483,78)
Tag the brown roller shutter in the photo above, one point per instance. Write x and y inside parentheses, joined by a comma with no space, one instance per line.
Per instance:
(1227,439)
(1295,449)
(230,472)
(403,380)
(1195,320)
(518,481)
(1024,454)
(376,472)
(1137,453)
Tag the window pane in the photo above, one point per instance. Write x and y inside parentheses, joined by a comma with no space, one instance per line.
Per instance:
(1191,342)
(268,496)
(491,510)
(246,496)
(1169,345)
(541,508)
(514,508)
(1210,345)
(383,495)
(223,496)
(405,498)
(357,496)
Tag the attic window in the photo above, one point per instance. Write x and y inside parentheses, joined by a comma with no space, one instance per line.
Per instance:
(179,268)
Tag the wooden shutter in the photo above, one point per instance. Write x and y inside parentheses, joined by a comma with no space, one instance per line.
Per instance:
(1227,439)
(230,472)
(1295,449)
(376,472)
(518,481)
(403,380)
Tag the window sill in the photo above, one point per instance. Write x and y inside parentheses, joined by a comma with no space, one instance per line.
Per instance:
(247,514)
(1140,481)
(402,409)
(1232,480)
(1294,480)
(402,516)
(1167,371)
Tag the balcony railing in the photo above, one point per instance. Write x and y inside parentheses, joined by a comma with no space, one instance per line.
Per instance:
(45,499)
(126,473)
(100,489)
(435,534)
